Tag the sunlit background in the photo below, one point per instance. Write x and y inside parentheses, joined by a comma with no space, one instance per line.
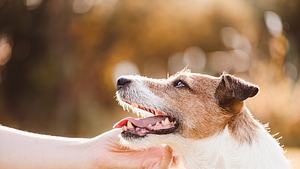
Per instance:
(59,60)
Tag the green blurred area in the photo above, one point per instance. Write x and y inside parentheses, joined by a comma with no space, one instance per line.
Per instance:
(59,59)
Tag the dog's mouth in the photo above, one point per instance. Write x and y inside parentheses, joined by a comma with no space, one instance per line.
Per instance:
(151,121)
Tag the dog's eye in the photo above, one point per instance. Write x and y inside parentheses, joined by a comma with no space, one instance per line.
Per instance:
(180,84)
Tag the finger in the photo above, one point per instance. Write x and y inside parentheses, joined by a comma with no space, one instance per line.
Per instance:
(113,133)
(110,140)
(174,162)
(166,157)
(111,136)
(156,157)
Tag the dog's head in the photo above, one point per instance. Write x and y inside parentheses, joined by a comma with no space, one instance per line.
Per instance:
(187,104)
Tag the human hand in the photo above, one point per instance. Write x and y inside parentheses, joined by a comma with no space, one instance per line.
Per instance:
(108,153)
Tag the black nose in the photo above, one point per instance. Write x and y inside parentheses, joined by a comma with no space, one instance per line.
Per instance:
(122,82)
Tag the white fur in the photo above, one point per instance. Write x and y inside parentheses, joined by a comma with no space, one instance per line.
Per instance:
(139,93)
(221,151)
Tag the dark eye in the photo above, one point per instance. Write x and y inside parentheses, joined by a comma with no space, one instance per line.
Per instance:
(180,84)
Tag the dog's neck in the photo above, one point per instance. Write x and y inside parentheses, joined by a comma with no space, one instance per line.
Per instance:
(242,126)
(244,143)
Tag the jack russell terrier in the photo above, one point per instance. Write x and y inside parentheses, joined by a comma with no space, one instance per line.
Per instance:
(203,118)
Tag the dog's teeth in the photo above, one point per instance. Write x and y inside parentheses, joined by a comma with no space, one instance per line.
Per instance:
(167,121)
(157,123)
(149,125)
(129,125)
(124,128)
(163,122)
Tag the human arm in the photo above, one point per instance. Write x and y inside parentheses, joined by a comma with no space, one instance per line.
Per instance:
(19,149)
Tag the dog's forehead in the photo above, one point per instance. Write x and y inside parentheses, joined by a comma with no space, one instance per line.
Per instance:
(193,76)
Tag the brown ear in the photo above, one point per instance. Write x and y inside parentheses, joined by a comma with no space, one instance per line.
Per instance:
(232,90)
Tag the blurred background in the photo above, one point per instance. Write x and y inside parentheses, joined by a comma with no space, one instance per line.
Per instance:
(59,60)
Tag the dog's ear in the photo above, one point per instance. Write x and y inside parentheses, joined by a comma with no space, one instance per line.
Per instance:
(233,90)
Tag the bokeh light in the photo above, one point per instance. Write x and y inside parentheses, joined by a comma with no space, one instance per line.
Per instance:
(124,68)
(273,23)
(5,50)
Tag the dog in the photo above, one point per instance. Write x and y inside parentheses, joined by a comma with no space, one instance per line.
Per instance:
(202,118)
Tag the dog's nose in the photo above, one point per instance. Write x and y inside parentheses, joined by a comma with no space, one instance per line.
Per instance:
(122,82)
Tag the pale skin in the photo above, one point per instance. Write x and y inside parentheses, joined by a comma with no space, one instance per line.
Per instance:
(25,150)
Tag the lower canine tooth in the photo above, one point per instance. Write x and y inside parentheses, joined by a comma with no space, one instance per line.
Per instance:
(167,121)
(129,125)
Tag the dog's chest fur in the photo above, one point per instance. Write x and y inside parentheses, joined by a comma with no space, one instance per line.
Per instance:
(224,152)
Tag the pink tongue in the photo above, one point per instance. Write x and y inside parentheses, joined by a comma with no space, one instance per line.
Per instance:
(140,122)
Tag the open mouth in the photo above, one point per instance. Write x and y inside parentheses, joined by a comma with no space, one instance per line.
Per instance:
(152,121)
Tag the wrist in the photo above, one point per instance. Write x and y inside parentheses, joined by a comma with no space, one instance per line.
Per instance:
(83,154)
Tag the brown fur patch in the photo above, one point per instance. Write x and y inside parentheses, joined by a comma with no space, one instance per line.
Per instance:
(242,126)
(232,90)
(197,109)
